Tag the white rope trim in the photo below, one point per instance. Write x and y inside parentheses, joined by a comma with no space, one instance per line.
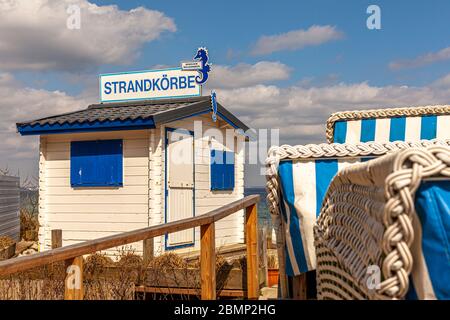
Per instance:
(324,150)
(382,113)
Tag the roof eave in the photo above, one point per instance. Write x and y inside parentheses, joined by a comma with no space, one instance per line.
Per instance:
(96,126)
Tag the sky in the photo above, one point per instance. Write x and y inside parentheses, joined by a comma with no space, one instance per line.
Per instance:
(276,64)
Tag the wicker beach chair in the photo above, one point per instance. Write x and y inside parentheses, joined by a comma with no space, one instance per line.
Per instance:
(391,215)
(297,180)
(384,125)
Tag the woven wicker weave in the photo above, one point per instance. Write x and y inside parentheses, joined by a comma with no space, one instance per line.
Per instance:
(382,113)
(308,152)
(366,220)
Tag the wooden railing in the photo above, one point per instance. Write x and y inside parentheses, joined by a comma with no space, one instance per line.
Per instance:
(73,254)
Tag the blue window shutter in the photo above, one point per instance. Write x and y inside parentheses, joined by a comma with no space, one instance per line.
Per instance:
(222,170)
(229,170)
(226,171)
(213,171)
(216,170)
(96,163)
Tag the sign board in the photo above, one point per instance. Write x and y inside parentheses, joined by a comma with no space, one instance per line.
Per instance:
(191,65)
(151,84)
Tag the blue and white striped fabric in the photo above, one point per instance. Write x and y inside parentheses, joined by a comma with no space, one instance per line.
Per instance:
(430,276)
(392,129)
(303,188)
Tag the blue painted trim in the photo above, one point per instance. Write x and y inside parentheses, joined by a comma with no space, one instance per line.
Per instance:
(97,126)
(227,120)
(205,112)
(143,71)
(87,127)
(181,129)
(81,186)
(166,192)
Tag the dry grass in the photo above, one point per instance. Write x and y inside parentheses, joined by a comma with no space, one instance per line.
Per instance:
(107,278)
(29,225)
(5,242)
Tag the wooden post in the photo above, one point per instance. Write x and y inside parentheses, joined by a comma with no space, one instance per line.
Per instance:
(265,262)
(56,238)
(281,241)
(208,262)
(299,287)
(148,253)
(251,225)
(74,279)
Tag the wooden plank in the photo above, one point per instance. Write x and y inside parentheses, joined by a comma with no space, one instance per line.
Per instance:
(263,254)
(56,238)
(73,283)
(281,242)
(98,199)
(148,247)
(123,208)
(127,181)
(105,226)
(189,291)
(229,279)
(251,226)
(72,251)
(208,262)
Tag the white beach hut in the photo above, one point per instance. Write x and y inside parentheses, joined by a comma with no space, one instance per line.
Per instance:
(116,167)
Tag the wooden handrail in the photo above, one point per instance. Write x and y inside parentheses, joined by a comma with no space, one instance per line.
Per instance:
(68,253)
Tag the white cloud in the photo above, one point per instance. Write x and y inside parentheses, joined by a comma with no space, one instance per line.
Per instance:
(301,112)
(426,59)
(20,104)
(296,39)
(443,82)
(243,74)
(34,34)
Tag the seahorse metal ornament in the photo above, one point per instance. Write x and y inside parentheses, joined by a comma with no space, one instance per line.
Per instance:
(202,55)
(214,105)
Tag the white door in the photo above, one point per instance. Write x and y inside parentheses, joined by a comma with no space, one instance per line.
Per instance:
(179,184)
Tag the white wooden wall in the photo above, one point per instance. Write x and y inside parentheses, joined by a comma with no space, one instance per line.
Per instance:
(90,213)
(229,230)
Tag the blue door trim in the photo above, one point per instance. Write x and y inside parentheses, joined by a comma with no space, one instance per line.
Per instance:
(166,190)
